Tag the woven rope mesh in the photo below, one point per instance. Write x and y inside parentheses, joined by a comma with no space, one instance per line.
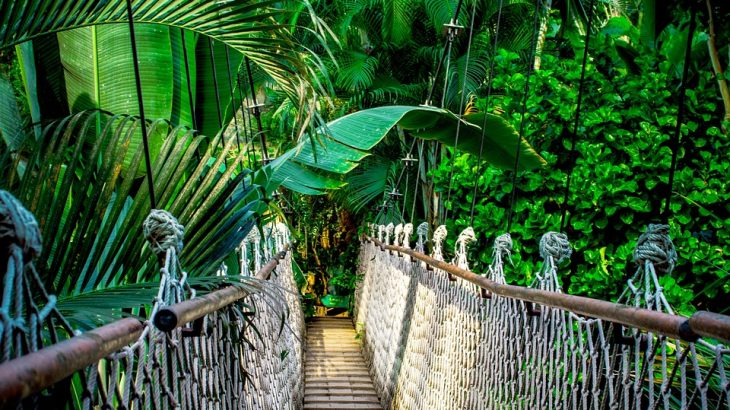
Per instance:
(230,365)
(436,343)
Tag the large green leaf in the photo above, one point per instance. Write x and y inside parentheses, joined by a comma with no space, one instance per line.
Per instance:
(214,90)
(98,68)
(347,139)
(10,122)
(46,72)
(498,147)
(301,179)
(343,143)
(250,26)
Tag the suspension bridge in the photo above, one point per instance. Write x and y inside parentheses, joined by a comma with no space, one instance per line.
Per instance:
(433,334)
(426,332)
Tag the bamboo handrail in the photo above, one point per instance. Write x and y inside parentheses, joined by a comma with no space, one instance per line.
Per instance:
(706,324)
(170,317)
(25,375)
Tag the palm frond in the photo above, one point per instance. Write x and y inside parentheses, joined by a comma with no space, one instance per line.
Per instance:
(387,90)
(357,71)
(90,211)
(87,310)
(11,129)
(367,183)
(397,21)
(256,28)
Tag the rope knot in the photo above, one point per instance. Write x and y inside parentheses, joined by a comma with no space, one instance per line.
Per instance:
(407,232)
(408,229)
(440,234)
(253,236)
(466,237)
(398,234)
(422,232)
(555,245)
(503,245)
(389,231)
(656,246)
(163,231)
(438,238)
(18,226)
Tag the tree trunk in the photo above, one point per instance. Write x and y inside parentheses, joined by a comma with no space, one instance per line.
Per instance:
(648,23)
(544,21)
(717,66)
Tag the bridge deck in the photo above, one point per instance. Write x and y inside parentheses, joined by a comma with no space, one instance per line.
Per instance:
(335,373)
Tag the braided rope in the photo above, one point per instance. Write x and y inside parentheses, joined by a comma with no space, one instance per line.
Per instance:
(422,232)
(163,232)
(438,238)
(454,349)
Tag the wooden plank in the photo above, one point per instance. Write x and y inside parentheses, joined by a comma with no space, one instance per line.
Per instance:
(335,373)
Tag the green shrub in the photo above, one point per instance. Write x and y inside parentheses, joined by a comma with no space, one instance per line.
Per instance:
(620,178)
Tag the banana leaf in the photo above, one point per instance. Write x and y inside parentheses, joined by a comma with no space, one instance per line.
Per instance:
(250,26)
(362,130)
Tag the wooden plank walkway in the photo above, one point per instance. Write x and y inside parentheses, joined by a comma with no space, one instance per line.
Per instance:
(335,373)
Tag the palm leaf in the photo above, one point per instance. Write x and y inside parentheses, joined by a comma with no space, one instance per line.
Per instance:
(397,21)
(346,141)
(351,136)
(10,123)
(357,71)
(88,310)
(46,72)
(367,183)
(88,207)
(252,27)
(97,63)
(214,89)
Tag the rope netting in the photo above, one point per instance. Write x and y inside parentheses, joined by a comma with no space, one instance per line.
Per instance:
(437,341)
(246,355)
(274,356)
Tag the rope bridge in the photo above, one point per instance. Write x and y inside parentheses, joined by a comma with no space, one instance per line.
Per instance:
(436,335)
(447,338)
(224,360)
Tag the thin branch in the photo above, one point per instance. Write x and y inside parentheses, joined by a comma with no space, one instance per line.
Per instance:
(717,66)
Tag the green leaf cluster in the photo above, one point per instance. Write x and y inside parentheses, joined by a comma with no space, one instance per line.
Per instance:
(619,173)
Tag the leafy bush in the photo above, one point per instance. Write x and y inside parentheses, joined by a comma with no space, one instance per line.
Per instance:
(622,162)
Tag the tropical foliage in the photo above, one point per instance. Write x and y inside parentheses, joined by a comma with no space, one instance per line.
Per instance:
(621,165)
(80,166)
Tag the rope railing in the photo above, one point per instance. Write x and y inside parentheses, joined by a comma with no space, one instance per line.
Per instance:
(701,323)
(221,361)
(171,317)
(437,335)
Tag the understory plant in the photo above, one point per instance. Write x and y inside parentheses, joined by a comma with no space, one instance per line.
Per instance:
(620,166)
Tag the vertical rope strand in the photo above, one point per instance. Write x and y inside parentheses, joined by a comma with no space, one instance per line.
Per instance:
(676,138)
(573,135)
(442,59)
(140,103)
(234,111)
(530,67)
(486,113)
(461,102)
(418,182)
